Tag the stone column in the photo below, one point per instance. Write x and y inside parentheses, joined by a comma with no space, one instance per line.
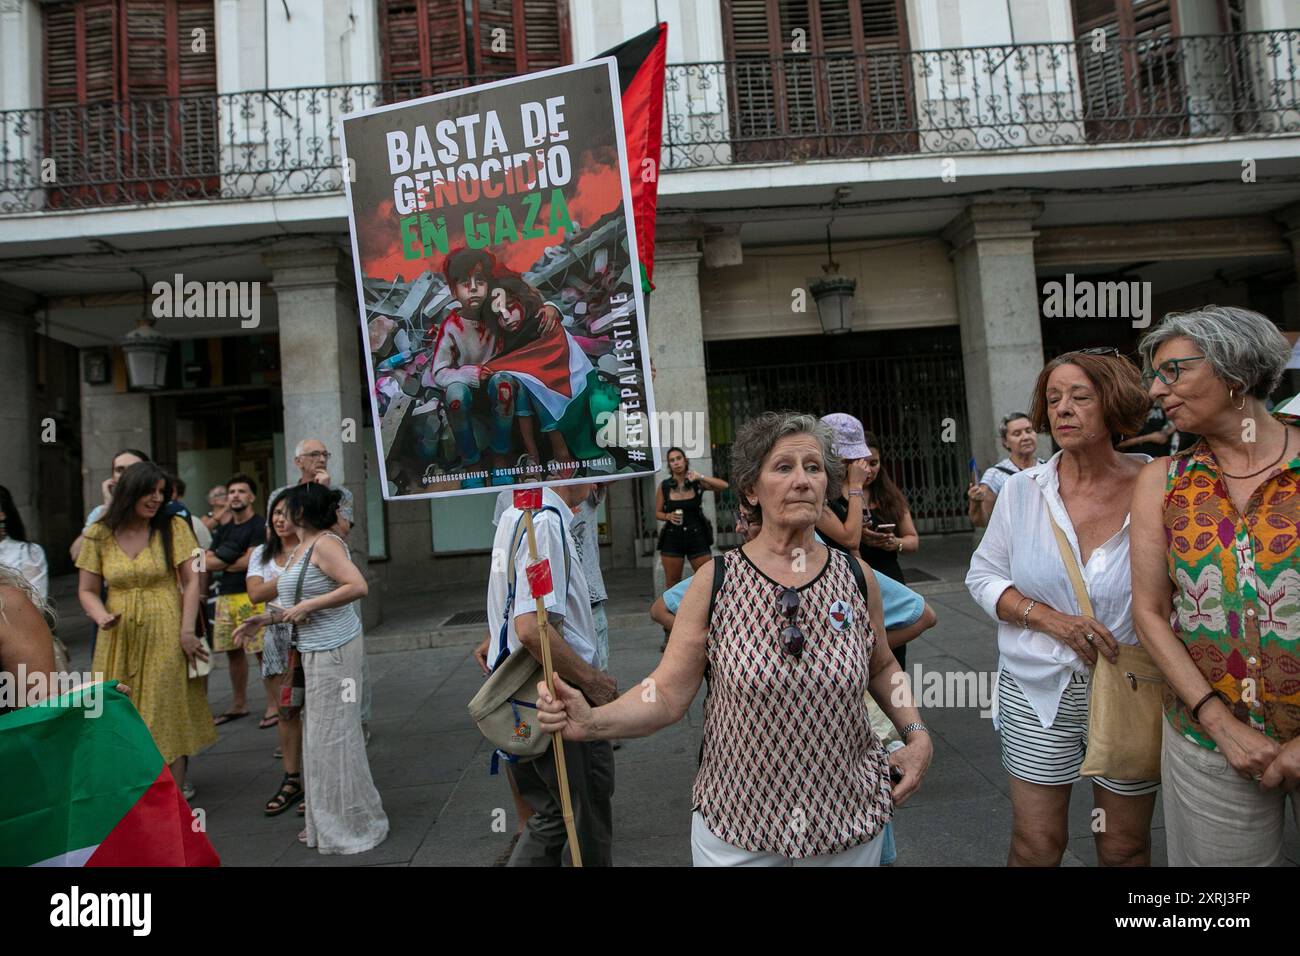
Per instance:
(677,345)
(997,301)
(321,374)
(623,530)
(18,422)
(110,421)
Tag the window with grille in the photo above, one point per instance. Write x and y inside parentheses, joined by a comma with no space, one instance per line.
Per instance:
(843,90)
(1129,68)
(130,105)
(429,46)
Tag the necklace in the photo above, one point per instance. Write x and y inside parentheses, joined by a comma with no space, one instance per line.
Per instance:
(1286,441)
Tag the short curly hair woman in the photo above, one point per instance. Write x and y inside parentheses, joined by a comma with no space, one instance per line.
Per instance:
(786,629)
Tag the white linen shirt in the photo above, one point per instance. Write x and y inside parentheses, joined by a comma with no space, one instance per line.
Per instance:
(1019,548)
(567,598)
(28,559)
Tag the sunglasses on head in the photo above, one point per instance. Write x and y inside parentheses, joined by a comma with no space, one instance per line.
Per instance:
(792,638)
(1100,350)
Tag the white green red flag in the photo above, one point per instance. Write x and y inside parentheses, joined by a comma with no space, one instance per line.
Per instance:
(87,786)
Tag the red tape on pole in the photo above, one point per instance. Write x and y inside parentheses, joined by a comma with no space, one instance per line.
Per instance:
(539,578)
(528,499)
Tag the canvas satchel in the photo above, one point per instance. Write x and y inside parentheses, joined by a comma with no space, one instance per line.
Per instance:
(1126,704)
(505,707)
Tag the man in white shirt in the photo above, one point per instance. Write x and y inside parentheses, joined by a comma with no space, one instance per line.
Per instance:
(590,764)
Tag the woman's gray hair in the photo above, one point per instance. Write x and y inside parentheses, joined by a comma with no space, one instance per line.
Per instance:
(1006,421)
(759,435)
(13,578)
(1244,348)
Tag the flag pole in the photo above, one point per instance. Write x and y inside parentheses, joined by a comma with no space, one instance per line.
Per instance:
(557,741)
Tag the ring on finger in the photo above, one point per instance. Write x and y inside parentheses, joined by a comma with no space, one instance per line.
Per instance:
(1090,637)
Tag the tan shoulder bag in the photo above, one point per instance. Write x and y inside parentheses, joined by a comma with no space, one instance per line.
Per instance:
(1126,704)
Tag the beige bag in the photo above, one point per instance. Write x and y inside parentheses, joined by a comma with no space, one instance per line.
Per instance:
(198,667)
(1126,704)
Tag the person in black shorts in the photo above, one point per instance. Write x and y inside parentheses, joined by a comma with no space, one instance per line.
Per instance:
(679,503)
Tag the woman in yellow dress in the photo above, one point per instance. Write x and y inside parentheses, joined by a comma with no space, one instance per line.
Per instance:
(146,633)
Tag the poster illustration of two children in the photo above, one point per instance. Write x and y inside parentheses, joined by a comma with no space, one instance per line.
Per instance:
(499,286)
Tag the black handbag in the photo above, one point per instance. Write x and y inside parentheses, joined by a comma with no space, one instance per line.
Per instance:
(293,693)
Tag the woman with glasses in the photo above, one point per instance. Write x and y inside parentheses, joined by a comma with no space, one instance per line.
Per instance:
(1216,590)
(786,630)
(1046,643)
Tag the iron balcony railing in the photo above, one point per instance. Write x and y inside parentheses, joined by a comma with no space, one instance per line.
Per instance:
(749,110)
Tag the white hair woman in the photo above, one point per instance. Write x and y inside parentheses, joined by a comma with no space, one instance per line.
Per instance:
(786,630)
(1046,642)
(1216,591)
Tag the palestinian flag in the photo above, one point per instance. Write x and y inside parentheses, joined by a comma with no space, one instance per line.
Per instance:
(552,367)
(641,78)
(85,787)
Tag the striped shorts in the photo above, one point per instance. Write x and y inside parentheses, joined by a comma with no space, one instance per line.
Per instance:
(1054,756)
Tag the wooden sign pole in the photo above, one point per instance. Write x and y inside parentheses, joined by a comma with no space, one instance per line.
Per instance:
(557,742)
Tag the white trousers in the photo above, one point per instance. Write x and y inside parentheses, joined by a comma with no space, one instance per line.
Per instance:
(709,850)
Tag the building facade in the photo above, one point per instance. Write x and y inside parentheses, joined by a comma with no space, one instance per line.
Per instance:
(958,159)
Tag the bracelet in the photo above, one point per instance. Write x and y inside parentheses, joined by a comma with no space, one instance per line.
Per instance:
(854,493)
(1205,700)
(1024,618)
(1015,616)
(912,728)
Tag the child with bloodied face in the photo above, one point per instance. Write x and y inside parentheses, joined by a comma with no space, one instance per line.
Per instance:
(515,313)
(464,345)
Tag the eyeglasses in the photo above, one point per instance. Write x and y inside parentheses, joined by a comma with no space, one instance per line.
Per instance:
(792,638)
(316,454)
(1169,370)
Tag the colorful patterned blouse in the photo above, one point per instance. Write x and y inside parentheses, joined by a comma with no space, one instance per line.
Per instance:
(1237,591)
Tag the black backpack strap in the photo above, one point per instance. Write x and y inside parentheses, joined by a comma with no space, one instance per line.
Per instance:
(858,576)
(719,574)
(1005,470)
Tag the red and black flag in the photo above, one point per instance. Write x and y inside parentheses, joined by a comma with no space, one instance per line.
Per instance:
(641,78)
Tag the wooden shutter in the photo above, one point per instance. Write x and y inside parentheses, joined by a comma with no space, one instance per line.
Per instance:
(519,36)
(118,66)
(884,40)
(196,84)
(753,43)
(850,80)
(421,39)
(546,34)
(1133,87)
(495,26)
(81,80)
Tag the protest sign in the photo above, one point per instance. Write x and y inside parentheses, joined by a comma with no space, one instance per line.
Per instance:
(499,286)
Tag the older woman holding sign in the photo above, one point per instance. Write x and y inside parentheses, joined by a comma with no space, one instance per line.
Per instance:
(786,630)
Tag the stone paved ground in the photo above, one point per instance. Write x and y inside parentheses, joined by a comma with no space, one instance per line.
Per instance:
(431,764)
